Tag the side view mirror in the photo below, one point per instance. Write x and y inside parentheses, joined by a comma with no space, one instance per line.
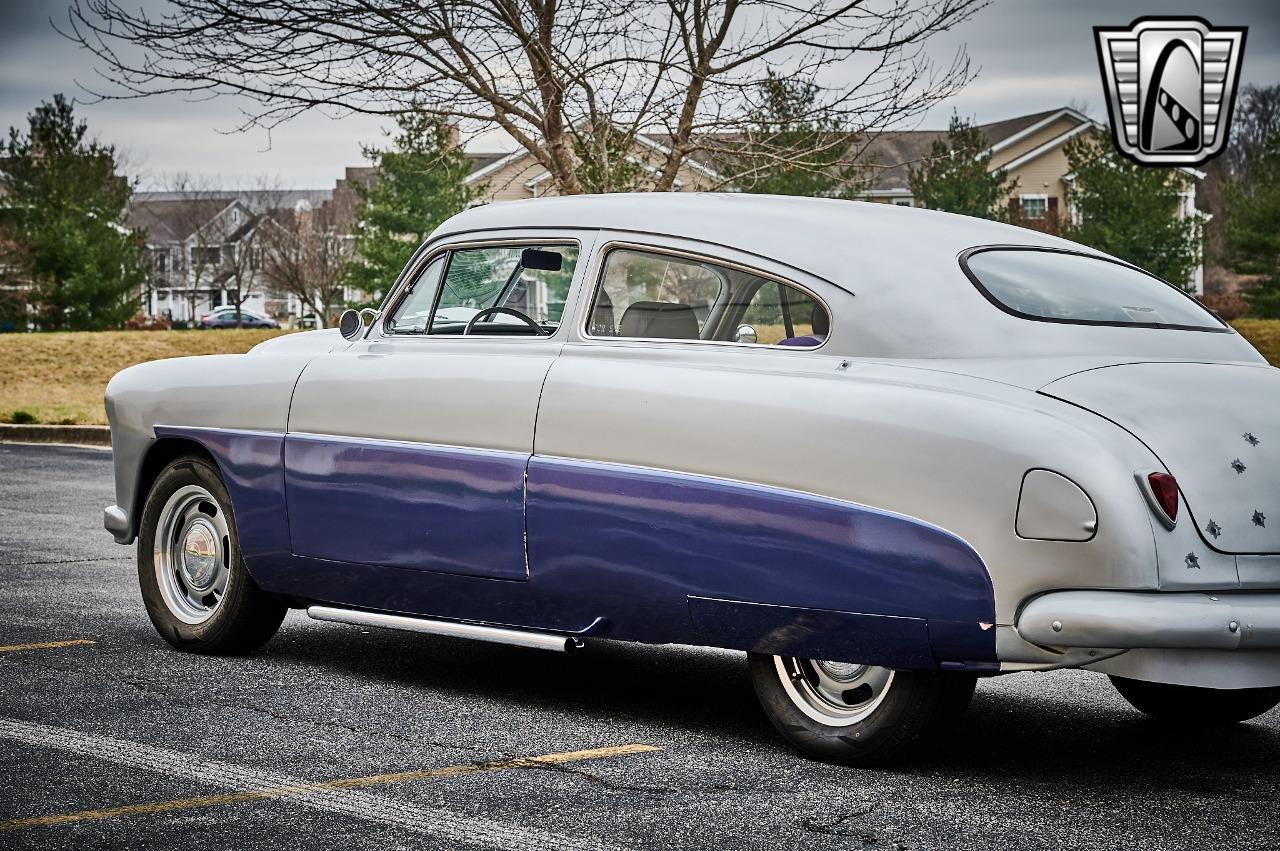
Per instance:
(352,323)
(744,334)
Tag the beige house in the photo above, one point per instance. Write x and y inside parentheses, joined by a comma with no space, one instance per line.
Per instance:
(517,175)
(1031,150)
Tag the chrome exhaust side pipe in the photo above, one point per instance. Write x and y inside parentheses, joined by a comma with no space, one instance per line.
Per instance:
(498,635)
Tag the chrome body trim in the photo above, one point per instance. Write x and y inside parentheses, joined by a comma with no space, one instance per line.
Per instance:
(495,634)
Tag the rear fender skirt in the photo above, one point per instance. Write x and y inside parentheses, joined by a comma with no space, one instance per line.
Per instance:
(732,544)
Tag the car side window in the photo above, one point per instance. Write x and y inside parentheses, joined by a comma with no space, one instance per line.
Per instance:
(646,294)
(651,295)
(531,280)
(414,310)
(781,315)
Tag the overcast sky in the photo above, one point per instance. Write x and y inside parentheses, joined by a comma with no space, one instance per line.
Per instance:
(1033,55)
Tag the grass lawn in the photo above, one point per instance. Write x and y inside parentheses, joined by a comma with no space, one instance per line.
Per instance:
(59,378)
(1264,334)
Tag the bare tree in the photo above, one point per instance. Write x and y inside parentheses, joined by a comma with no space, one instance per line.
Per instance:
(574,84)
(303,253)
(245,237)
(195,202)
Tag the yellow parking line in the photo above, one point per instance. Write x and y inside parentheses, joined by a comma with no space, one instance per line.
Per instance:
(45,645)
(342,783)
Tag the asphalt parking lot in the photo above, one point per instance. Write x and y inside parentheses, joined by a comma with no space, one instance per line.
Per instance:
(336,736)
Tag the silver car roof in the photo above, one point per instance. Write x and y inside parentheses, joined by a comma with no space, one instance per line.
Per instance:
(901,264)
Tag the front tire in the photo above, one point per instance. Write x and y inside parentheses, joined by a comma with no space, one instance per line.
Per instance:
(1194,704)
(857,714)
(197,591)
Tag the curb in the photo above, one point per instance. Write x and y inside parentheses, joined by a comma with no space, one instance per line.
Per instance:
(82,435)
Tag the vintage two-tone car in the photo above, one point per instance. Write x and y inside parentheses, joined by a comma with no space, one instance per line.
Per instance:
(885,451)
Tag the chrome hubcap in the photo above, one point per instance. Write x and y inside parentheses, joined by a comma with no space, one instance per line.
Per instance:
(192,554)
(837,694)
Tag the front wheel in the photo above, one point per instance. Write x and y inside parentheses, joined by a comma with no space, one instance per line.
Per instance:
(196,588)
(857,714)
(1195,704)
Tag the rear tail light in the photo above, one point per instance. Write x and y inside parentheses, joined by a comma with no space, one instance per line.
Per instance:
(1164,488)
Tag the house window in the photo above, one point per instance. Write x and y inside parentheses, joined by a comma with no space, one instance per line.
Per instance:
(902,202)
(1035,206)
(206,255)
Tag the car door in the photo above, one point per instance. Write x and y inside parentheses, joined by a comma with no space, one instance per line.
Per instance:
(687,382)
(408,449)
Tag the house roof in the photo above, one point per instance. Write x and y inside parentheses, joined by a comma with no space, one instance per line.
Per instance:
(999,131)
(175,216)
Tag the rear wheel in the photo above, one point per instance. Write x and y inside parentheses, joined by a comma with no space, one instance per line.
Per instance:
(1194,704)
(857,714)
(197,591)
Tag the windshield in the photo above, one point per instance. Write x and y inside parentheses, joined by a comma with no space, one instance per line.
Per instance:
(1062,286)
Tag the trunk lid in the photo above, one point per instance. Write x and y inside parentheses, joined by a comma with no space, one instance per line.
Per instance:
(1215,426)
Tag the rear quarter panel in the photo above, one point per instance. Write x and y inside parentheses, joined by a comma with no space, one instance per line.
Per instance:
(943,449)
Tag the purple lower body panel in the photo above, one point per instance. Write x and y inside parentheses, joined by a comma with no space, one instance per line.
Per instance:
(406,505)
(829,570)
(812,633)
(659,556)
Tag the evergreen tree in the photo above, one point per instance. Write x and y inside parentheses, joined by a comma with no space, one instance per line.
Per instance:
(607,160)
(419,184)
(1131,211)
(957,176)
(64,231)
(1252,229)
(793,147)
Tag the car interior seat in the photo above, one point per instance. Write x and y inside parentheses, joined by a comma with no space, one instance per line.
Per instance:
(665,320)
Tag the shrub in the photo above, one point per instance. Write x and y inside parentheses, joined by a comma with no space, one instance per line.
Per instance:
(141,322)
(21,417)
(1229,306)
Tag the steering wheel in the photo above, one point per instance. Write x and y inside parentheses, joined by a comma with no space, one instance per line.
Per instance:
(510,311)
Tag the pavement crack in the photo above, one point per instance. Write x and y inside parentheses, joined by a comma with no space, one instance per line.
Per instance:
(152,688)
(65,561)
(840,826)
(604,782)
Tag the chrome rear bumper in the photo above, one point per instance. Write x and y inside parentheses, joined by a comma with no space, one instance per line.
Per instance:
(1157,620)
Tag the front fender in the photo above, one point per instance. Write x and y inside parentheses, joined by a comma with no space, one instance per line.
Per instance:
(248,392)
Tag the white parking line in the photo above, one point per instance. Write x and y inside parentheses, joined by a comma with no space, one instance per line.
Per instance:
(435,821)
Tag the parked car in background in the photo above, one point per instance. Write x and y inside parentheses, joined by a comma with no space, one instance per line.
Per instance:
(885,451)
(225,317)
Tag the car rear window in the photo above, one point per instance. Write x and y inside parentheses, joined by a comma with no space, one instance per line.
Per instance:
(1064,286)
